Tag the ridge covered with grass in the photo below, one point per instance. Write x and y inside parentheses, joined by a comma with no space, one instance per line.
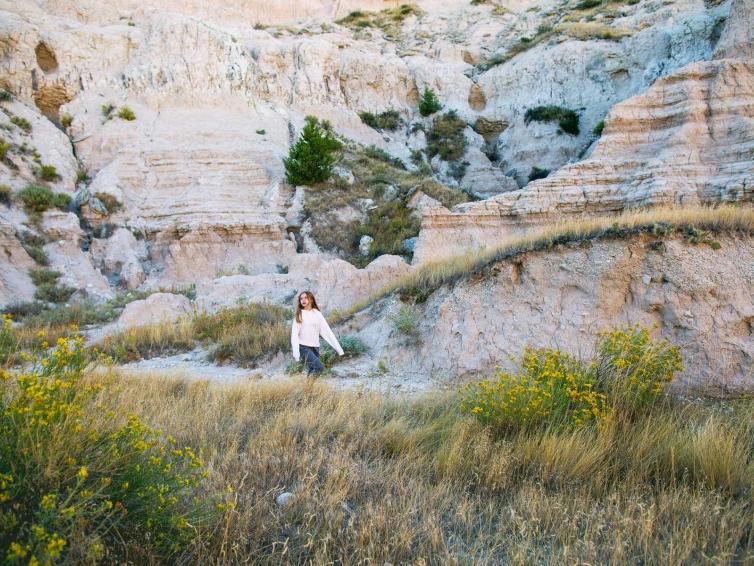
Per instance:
(697,225)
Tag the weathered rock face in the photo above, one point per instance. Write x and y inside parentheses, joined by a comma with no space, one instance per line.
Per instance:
(700,299)
(15,263)
(218,100)
(155,309)
(337,284)
(688,140)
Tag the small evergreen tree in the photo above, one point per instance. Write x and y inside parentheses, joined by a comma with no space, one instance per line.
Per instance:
(311,159)
(429,103)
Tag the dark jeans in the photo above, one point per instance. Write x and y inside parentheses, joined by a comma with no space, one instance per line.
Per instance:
(310,357)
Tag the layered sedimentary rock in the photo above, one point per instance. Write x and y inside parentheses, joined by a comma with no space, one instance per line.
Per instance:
(699,298)
(688,140)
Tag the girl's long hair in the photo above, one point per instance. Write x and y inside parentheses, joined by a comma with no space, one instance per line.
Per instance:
(312,302)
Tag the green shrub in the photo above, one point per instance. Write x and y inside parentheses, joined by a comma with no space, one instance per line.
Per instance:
(406,320)
(82,176)
(588,4)
(53,293)
(538,173)
(32,244)
(429,104)
(62,201)
(66,120)
(389,224)
(6,194)
(389,120)
(5,96)
(446,138)
(377,153)
(567,119)
(22,123)
(4,149)
(125,113)
(47,173)
(310,160)
(44,276)
(261,131)
(458,170)
(599,128)
(36,199)
(81,484)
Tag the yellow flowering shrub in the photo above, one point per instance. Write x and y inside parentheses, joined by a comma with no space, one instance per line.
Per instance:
(552,387)
(8,341)
(75,490)
(629,371)
(633,368)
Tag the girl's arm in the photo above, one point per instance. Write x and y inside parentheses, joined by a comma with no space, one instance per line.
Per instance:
(327,334)
(295,327)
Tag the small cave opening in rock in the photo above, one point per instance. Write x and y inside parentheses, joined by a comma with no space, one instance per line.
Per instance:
(46,58)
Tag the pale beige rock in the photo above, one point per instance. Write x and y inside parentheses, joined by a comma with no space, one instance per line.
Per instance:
(421,202)
(700,299)
(15,263)
(77,270)
(155,309)
(59,225)
(121,257)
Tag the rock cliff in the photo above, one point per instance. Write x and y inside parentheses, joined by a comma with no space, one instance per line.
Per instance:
(699,298)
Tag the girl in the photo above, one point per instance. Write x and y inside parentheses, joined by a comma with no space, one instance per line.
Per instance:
(308,326)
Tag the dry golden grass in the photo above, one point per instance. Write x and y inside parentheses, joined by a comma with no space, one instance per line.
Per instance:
(378,479)
(691,222)
(590,30)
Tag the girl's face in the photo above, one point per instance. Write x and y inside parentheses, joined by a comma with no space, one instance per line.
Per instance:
(303,300)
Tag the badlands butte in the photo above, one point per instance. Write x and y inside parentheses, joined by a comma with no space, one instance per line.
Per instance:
(157,132)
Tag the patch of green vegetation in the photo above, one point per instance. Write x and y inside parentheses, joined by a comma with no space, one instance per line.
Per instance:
(310,160)
(429,103)
(538,173)
(390,20)
(32,244)
(374,171)
(389,120)
(5,96)
(389,224)
(378,153)
(588,4)
(125,113)
(47,173)
(4,148)
(599,128)
(48,290)
(261,131)
(567,119)
(406,320)
(446,138)
(36,199)
(82,176)
(22,123)
(66,120)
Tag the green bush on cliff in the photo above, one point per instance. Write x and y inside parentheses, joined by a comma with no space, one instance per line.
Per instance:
(311,158)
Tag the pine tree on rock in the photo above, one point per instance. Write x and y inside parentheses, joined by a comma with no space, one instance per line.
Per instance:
(310,160)
(429,103)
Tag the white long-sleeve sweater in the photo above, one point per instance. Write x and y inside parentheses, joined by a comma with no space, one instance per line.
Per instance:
(307,333)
